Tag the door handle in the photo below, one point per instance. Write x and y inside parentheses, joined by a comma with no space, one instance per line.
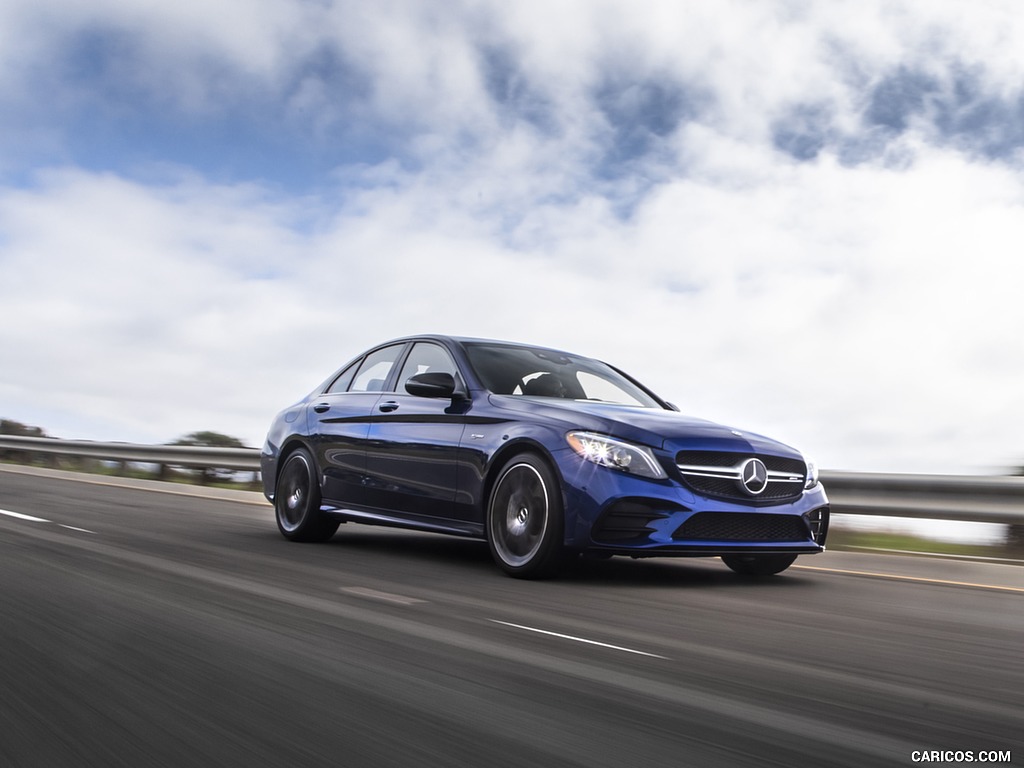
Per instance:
(388,406)
(322,407)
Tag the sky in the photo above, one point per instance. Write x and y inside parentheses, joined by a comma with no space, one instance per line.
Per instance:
(800,219)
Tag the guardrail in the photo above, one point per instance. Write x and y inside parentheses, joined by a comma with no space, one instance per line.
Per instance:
(196,457)
(935,497)
(982,499)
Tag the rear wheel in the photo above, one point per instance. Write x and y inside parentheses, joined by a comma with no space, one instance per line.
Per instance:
(525,518)
(758,565)
(297,501)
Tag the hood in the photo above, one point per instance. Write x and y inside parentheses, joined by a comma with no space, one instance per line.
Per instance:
(657,428)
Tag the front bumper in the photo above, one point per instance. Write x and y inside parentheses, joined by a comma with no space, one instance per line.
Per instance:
(616,513)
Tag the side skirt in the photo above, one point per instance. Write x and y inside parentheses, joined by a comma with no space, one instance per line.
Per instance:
(409,522)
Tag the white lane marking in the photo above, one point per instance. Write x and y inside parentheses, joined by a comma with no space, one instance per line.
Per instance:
(73,528)
(917,579)
(23,517)
(387,597)
(578,639)
(32,519)
(942,555)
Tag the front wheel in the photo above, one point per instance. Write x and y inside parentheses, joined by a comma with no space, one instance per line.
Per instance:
(525,518)
(758,565)
(297,501)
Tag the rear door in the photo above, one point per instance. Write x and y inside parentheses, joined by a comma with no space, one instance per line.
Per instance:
(340,423)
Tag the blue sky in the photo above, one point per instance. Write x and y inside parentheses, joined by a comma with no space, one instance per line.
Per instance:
(800,218)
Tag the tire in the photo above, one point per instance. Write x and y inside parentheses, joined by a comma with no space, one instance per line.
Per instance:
(525,524)
(758,565)
(297,501)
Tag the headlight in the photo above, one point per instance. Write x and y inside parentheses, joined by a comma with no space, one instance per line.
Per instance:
(609,452)
(812,474)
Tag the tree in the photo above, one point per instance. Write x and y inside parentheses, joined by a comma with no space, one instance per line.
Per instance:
(209,438)
(213,440)
(11,427)
(17,429)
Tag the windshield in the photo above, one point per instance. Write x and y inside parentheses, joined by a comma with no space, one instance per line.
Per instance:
(530,372)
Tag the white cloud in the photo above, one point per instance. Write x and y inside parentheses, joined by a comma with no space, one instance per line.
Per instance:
(868,314)
(865,311)
(410,62)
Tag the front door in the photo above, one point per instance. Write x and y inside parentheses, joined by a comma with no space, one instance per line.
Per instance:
(412,449)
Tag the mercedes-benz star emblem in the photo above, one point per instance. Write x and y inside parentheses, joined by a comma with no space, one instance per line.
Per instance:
(754,476)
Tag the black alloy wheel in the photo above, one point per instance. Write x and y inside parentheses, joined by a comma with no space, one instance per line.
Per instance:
(297,501)
(525,524)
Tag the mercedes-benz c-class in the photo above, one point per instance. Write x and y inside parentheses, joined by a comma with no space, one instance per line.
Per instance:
(544,454)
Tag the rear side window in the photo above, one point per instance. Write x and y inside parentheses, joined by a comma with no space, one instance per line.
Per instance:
(341,383)
(373,373)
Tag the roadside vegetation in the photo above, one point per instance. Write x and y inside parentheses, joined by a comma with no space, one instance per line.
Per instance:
(210,476)
(896,542)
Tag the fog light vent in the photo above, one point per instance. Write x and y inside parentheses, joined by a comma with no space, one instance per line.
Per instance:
(817,519)
(627,521)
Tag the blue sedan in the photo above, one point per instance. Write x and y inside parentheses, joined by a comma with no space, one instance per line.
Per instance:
(544,454)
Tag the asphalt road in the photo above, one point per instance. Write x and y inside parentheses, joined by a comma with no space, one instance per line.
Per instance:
(154,629)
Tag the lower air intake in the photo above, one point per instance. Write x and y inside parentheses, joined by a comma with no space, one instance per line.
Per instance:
(742,526)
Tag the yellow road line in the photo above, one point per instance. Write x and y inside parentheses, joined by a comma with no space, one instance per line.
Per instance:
(919,579)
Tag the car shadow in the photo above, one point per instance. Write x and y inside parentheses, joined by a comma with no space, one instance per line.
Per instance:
(672,572)
(472,555)
(414,545)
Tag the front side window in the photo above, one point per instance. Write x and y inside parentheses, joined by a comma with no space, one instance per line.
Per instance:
(426,357)
(375,369)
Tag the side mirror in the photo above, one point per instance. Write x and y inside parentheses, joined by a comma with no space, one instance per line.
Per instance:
(433,384)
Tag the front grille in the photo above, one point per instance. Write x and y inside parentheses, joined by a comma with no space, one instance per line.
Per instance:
(742,526)
(717,474)
(626,521)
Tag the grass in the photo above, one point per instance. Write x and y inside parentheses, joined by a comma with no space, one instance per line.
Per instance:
(845,539)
